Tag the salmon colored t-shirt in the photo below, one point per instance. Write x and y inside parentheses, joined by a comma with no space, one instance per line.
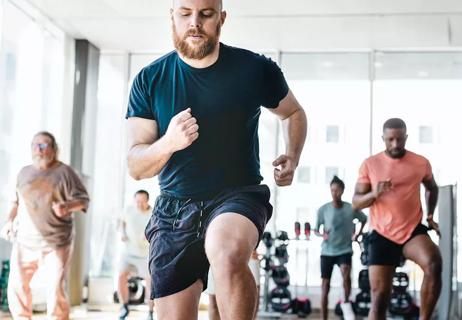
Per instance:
(396,213)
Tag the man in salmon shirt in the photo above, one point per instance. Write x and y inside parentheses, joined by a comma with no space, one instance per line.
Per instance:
(389,183)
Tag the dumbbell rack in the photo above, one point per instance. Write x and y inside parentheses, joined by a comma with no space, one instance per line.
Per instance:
(301,304)
(401,301)
(268,267)
(362,303)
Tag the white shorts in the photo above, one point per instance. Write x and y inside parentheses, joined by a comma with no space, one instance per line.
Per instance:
(254,266)
(133,264)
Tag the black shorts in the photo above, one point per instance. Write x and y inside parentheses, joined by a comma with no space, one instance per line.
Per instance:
(385,252)
(328,263)
(176,233)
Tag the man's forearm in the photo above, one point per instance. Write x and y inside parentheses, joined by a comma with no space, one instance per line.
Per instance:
(361,201)
(76,205)
(295,129)
(13,212)
(431,199)
(146,161)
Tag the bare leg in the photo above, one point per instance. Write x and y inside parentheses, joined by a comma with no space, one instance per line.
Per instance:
(426,254)
(148,294)
(346,271)
(122,287)
(380,278)
(325,298)
(228,250)
(180,306)
(214,314)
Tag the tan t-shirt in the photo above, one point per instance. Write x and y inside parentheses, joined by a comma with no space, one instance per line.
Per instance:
(396,213)
(38,226)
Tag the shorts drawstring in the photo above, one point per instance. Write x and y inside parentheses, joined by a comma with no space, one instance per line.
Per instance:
(178,213)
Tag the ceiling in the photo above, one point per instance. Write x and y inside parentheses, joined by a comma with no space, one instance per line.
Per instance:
(143,25)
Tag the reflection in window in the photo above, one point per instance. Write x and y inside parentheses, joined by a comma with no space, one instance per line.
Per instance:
(332,134)
(304,174)
(302,215)
(330,173)
(425,134)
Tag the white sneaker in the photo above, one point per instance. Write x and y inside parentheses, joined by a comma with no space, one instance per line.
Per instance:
(347,310)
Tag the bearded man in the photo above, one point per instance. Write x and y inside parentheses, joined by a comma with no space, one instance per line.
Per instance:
(40,224)
(192,121)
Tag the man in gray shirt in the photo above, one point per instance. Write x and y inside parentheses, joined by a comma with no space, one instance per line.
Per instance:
(337,218)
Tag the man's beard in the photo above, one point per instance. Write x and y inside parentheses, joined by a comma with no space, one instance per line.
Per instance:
(43,160)
(197,52)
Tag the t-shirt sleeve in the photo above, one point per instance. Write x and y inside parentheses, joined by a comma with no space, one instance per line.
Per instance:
(319,220)
(274,86)
(364,174)
(428,175)
(139,102)
(74,188)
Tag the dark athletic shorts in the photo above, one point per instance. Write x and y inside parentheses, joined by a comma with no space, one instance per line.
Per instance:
(328,263)
(176,233)
(385,252)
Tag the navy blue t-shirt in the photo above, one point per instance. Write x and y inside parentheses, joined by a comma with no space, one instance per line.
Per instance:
(225,98)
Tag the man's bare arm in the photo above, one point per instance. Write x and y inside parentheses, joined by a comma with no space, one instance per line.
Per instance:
(147,153)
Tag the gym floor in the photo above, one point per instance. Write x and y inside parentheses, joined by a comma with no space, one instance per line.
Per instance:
(80,313)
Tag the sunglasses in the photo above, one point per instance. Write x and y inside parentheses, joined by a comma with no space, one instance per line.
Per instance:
(41,146)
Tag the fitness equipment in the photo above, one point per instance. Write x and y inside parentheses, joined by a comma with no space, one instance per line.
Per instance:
(401,301)
(301,305)
(363,280)
(402,304)
(281,253)
(280,276)
(280,299)
(136,291)
(362,303)
(267,267)
(400,282)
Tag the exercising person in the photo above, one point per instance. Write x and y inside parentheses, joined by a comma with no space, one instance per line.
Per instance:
(389,183)
(40,224)
(192,121)
(337,218)
(133,255)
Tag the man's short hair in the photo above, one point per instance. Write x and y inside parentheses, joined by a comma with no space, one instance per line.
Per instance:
(394,123)
(338,181)
(142,192)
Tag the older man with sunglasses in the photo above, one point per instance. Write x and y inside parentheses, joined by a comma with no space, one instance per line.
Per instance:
(40,224)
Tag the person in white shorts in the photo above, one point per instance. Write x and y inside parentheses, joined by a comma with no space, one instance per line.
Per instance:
(134,250)
(254,265)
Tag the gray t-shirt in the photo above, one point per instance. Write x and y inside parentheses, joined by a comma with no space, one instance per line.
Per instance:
(38,225)
(135,224)
(338,222)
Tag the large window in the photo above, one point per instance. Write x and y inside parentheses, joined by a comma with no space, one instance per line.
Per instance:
(425,90)
(347,97)
(334,89)
(32,92)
